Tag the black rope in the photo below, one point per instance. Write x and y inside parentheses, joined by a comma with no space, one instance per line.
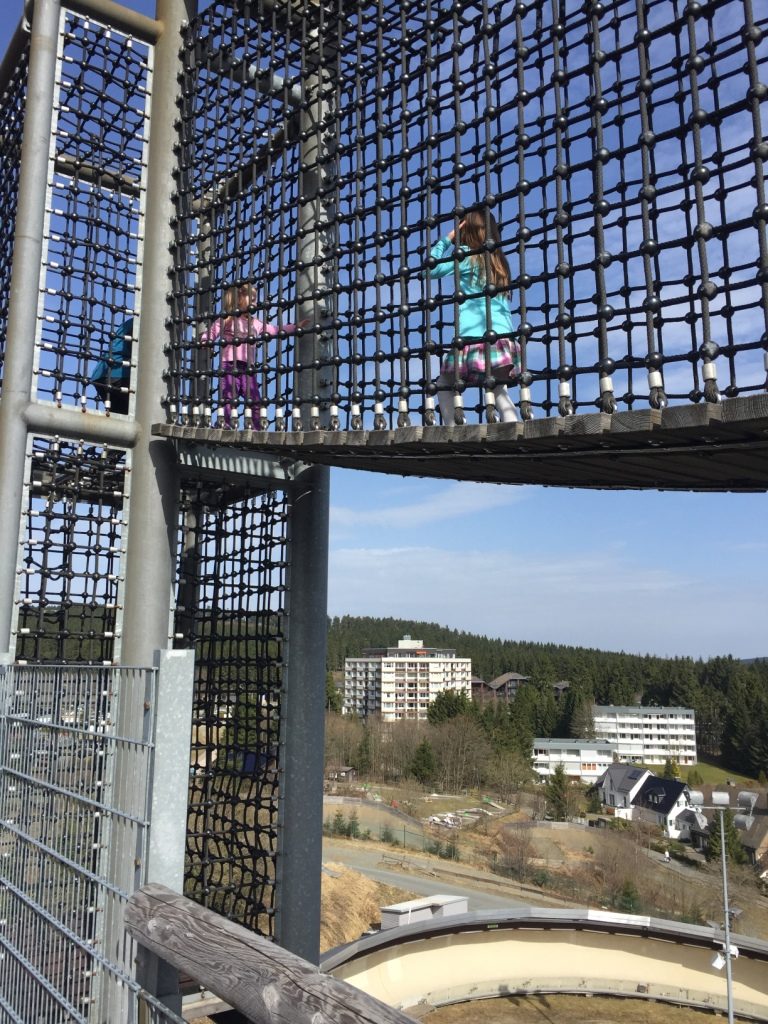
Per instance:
(563,122)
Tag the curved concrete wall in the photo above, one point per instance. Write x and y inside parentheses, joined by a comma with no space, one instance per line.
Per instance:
(475,957)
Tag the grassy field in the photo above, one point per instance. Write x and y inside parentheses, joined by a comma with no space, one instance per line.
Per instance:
(715,775)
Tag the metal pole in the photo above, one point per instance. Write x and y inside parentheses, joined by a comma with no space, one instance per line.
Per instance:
(727,923)
(297,923)
(297,920)
(28,254)
(152,511)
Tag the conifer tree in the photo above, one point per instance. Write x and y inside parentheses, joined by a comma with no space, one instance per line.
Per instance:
(557,794)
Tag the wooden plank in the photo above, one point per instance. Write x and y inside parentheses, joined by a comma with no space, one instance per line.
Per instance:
(254,976)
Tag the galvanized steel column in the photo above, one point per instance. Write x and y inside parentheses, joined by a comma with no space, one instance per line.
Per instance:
(297,924)
(24,295)
(154,486)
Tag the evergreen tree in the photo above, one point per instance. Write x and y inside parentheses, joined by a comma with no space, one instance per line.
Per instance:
(423,767)
(334,698)
(671,769)
(363,761)
(448,704)
(734,850)
(557,794)
(629,898)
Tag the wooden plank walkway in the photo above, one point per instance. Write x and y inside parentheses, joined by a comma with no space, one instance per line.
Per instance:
(701,447)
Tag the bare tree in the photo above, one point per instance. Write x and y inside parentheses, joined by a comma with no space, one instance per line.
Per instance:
(508,772)
(343,734)
(463,753)
(515,850)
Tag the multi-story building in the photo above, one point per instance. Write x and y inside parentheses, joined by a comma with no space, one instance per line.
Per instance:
(643,735)
(581,759)
(401,682)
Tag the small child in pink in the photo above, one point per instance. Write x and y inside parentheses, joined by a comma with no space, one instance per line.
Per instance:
(240,332)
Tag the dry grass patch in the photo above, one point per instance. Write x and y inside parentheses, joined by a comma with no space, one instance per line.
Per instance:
(350,904)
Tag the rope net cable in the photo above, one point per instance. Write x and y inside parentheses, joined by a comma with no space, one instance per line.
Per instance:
(12,103)
(619,146)
(70,566)
(231,609)
(89,310)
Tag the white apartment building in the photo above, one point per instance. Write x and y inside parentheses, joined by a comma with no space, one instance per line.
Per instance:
(587,760)
(401,682)
(648,735)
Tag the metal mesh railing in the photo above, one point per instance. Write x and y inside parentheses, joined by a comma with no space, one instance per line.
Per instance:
(12,100)
(92,271)
(619,146)
(231,603)
(74,808)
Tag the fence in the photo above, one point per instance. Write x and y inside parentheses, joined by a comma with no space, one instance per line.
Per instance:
(77,779)
(619,146)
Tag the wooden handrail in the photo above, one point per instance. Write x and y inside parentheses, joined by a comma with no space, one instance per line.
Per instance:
(251,974)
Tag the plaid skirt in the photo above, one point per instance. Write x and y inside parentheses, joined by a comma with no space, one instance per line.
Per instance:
(505,361)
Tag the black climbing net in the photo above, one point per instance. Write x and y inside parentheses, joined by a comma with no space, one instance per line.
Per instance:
(324,152)
(13,92)
(69,571)
(94,238)
(231,610)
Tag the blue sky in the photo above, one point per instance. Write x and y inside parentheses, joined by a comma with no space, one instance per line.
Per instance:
(645,572)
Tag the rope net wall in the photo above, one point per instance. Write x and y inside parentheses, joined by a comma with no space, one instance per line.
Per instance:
(231,609)
(619,146)
(70,563)
(96,198)
(12,102)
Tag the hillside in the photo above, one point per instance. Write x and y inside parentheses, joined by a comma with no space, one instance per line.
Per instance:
(729,696)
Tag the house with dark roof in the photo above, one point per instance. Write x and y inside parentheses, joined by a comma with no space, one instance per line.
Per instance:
(663,802)
(636,794)
(503,687)
(618,785)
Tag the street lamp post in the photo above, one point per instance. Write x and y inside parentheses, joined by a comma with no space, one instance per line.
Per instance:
(745,800)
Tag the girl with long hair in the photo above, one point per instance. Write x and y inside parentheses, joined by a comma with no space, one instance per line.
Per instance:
(485,320)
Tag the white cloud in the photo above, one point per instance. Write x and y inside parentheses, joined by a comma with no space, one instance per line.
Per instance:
(601,599)
(453,500)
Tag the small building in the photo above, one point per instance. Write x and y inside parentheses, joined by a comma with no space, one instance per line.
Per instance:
(618,787)
(586,760)
(663,802)
(412,911)
(340,773)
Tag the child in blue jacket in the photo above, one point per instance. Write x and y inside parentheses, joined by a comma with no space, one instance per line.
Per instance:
(477,270)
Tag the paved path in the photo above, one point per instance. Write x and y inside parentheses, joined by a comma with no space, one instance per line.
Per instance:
(428,876)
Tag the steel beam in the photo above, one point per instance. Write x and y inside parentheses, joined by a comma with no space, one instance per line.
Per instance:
(24,292)
(297,924)
(152,513)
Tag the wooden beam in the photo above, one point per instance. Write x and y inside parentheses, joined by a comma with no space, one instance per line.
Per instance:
(254,976)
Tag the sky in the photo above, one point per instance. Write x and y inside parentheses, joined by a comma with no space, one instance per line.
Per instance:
(644,572)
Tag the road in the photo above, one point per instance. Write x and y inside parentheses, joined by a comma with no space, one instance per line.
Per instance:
(418,874)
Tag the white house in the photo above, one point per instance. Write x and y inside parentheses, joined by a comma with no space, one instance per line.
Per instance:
(637,795)
(581,759)
(619,785)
